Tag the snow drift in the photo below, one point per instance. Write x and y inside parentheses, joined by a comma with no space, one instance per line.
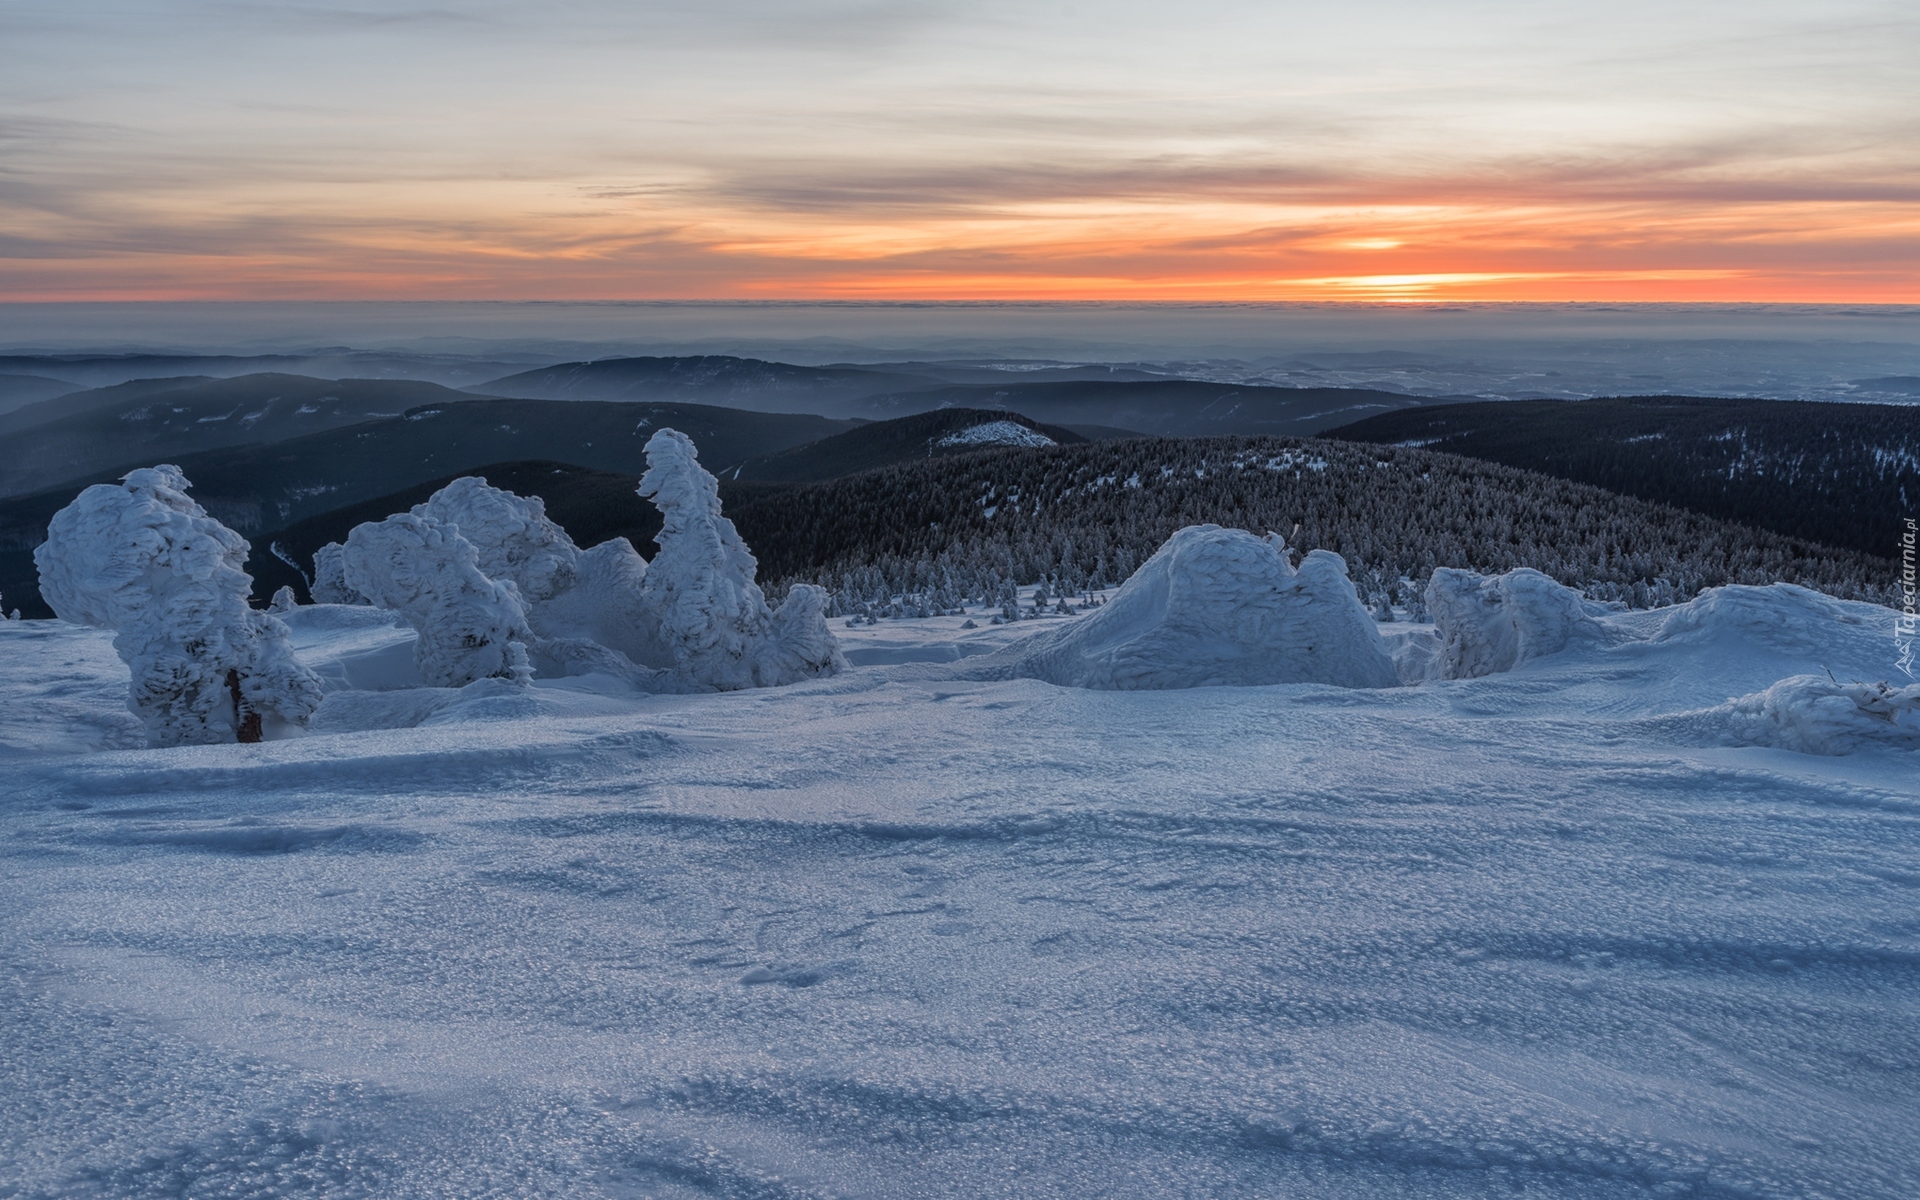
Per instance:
(1214,607)
(142,559)
(1487,624)
(1781,617)
(1816,714)
(429,574)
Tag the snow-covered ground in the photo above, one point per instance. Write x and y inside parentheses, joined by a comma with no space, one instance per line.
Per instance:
(924,930)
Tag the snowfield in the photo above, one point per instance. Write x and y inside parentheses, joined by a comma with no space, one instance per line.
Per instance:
(927,928)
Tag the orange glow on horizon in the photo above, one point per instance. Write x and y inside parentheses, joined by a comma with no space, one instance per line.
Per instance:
(525,242)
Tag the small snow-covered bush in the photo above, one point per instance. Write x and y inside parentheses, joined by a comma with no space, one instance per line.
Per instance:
(1815,714)
(1493,623)
(330,577)
(145,561)
(429,574)
(699,591)
(1219,607)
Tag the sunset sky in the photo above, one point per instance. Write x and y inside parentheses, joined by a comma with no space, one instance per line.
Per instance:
(1207,150)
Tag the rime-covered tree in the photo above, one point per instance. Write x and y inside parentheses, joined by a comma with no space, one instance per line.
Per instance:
(144,560)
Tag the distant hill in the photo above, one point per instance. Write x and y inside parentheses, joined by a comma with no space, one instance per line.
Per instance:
(82,370)
(152,420)
(1842,474)
(996,373)
(1168,408)
(17,391)
(1091,513)
(935,434)
(748,383)
(72,402)
(259,490)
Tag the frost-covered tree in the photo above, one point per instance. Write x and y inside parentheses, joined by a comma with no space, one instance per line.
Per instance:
(511,536)
(330,577)
(428,573)
(142,559)
(700,593)
(569,593)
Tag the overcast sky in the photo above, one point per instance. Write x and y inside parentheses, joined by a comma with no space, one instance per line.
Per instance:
(1202,150)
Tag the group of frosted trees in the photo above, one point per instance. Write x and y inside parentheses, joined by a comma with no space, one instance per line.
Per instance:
(493,588)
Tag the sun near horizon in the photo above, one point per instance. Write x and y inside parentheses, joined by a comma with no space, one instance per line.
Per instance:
(1388,152)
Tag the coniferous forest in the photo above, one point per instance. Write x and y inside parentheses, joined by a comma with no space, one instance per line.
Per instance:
(1086,515)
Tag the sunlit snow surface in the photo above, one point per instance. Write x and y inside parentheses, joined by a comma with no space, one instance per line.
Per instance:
(913,932)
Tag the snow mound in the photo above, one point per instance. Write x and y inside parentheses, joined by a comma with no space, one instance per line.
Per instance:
(481,700)
(428,573)
(1781,616)
(699,592)
(997,433)
(1815,714)
(1217,607)
(142,559)
(330,577)
(1493,623)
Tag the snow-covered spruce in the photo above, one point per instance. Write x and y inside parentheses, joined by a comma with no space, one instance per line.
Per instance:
(428,573)
(511,536)
(1492,623)
(145,561)
(1219,606)
(330,577)
(700,593)
(571,596)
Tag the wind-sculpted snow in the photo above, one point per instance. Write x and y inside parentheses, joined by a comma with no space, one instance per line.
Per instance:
(712,617)
(1816,714)
(1490,623)
(429,574)
(1781,617)
(142,559)
(1219,606)
(1547,933)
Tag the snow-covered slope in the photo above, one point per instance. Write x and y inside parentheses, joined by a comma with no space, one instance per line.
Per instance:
(912,930)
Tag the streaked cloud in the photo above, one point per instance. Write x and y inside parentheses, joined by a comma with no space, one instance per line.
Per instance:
(598,149)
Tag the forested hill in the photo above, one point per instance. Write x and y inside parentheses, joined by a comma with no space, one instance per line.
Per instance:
(1091,513)
(1842,474)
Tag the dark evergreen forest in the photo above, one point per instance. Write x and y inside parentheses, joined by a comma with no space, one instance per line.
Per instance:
(1080,516)
(1840,474)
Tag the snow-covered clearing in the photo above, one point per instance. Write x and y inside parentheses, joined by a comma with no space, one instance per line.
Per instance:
(917,930)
